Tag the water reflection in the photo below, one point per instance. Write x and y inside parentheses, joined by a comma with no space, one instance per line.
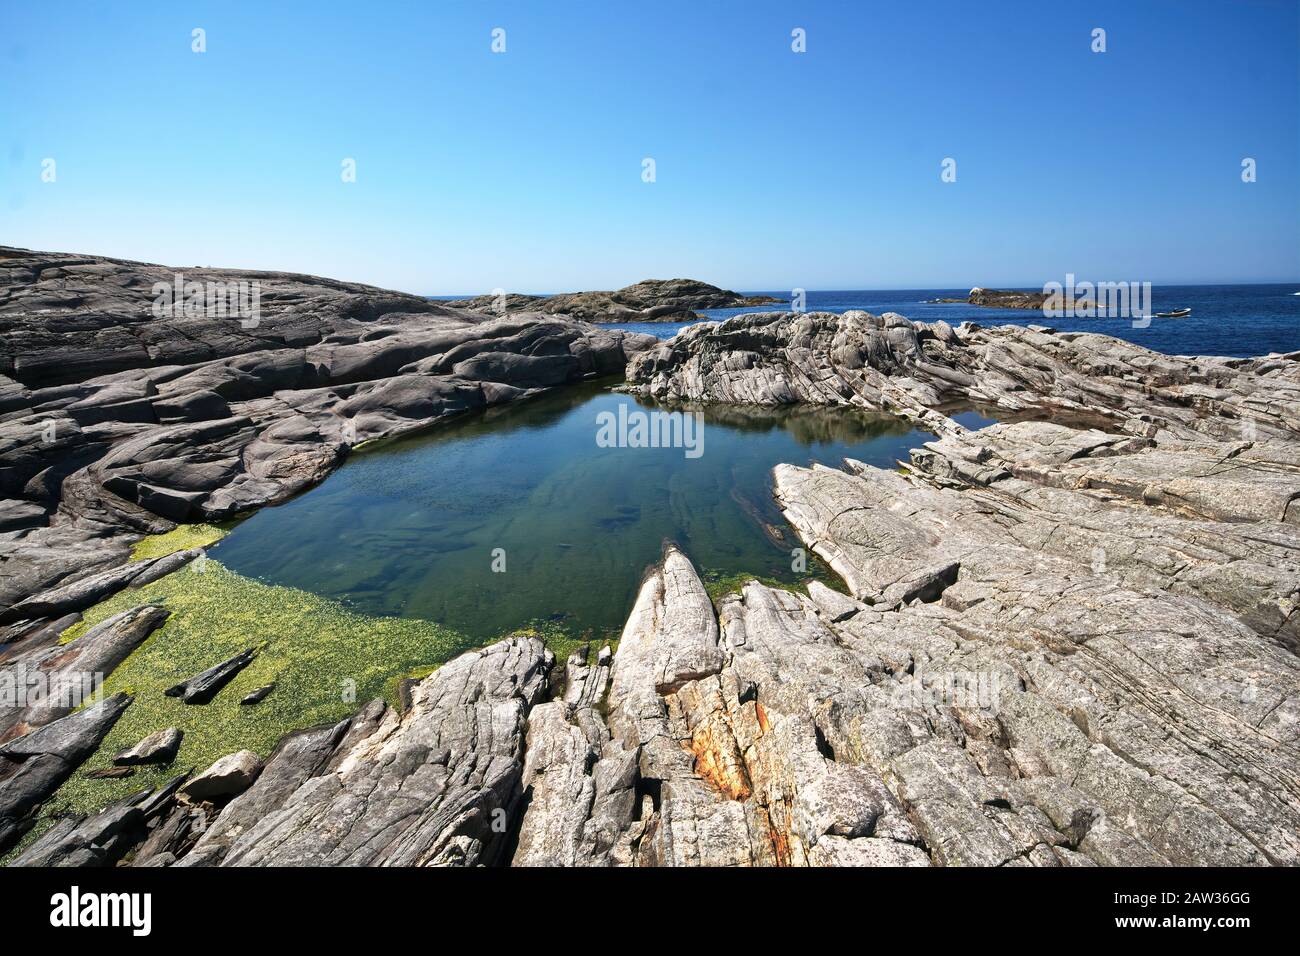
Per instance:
(411,527)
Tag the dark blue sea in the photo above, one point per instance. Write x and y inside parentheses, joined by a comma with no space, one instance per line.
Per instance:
(1239,320)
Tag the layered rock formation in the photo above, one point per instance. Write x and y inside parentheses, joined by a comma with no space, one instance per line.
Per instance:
(120,416)
(1031,710)
(912,369)
(431,786)
(1068,639)
(654,300)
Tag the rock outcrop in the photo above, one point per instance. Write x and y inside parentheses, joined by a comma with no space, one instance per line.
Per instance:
(915,369)
(1031,711)
(34,765)
(434,785)
(1069,639)
(202,687)
(121,416)
(45,680)
(1035,707)
(1005,299)
(654,300)
(137,396)
(228,777)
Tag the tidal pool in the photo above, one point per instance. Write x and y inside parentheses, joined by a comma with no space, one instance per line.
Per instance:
(385,570)
(422,527)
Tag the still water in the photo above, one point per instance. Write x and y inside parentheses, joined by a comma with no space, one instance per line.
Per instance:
(412,527)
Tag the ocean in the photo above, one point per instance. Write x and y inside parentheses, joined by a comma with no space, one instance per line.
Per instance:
(1236,320)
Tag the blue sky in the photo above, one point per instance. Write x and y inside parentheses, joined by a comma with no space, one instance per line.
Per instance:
(774,170)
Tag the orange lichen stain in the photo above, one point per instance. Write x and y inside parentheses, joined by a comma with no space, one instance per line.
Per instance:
(780,838)
(761,714)
(717,762)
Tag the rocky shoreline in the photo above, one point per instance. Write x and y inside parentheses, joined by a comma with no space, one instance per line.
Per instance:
(1068,639)
(654,300)
(115,423)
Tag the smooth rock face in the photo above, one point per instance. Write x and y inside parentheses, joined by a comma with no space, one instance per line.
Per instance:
(116,421)
(159,747)
(231,775)
(654,300)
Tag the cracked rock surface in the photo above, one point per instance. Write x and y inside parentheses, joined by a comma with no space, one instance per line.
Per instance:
(431,786)
(915,369)
(1064,643)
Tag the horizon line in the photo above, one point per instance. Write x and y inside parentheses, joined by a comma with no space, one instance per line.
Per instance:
(902,288)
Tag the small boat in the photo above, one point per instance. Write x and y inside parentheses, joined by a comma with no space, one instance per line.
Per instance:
(1176,314)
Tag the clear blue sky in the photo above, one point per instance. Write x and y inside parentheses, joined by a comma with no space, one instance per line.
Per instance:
(775,170)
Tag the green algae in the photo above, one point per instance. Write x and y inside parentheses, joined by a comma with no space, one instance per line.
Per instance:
(182,538)
(561,640)
(718,584)
(325,659)
(516,513)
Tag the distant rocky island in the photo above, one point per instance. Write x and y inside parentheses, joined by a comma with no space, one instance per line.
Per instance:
(1067,639)
(1002,299)
(654,300)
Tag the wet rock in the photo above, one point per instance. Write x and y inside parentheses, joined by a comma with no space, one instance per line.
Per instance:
(257,696)
(201,688)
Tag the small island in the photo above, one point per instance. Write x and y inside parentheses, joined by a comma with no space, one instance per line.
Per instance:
(1003,299)
(653,300)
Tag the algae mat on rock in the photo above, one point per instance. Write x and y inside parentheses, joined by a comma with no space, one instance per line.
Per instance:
(324,659)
